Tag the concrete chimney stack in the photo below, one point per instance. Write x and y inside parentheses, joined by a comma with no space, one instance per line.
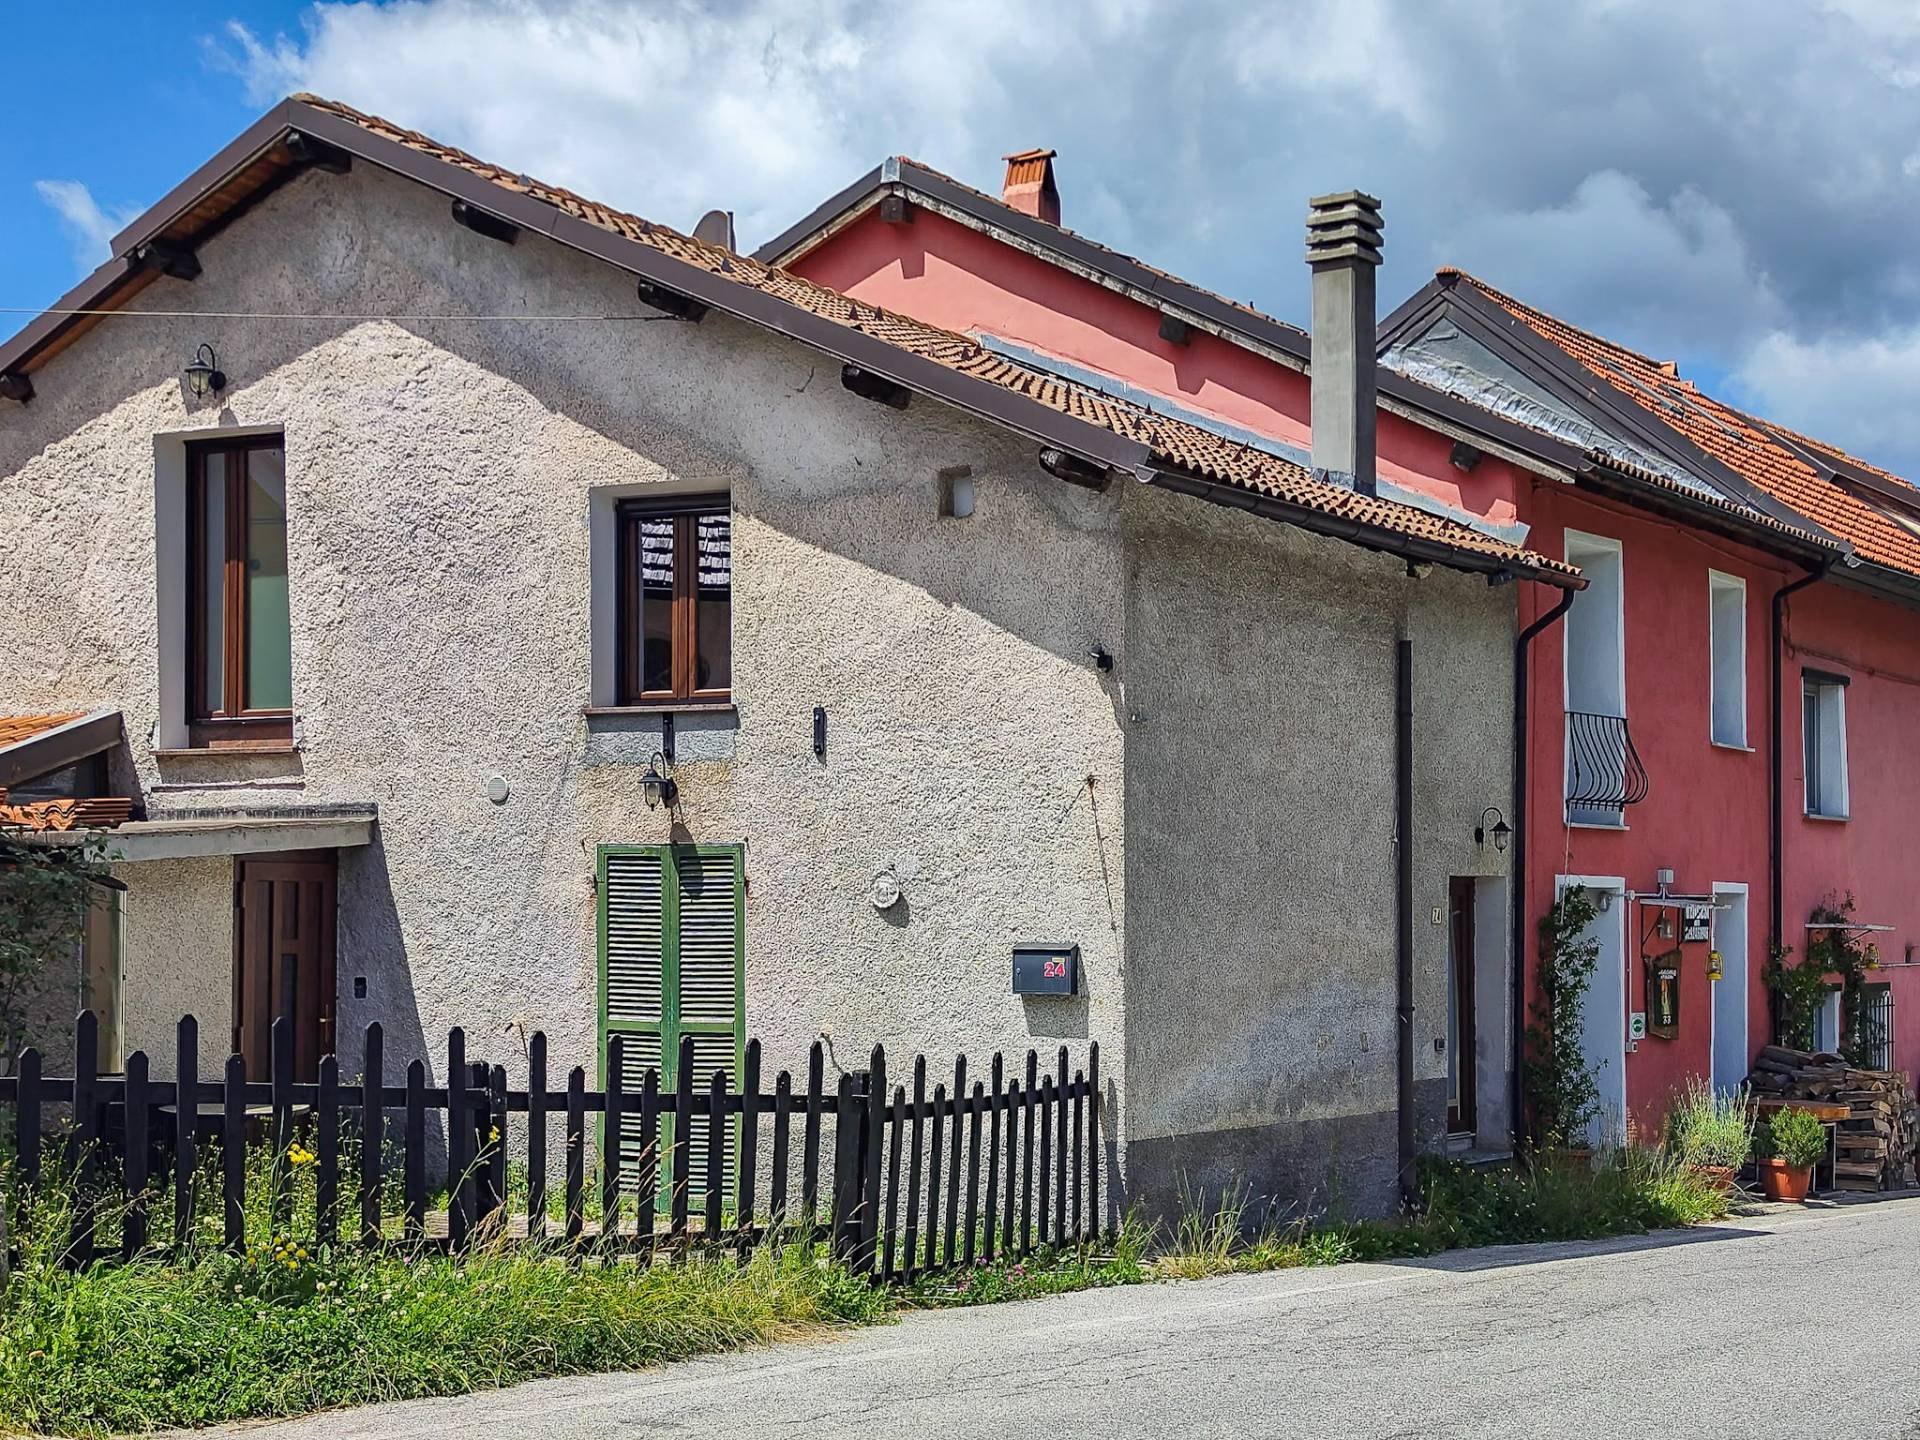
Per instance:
(1029,186)
(1343,251)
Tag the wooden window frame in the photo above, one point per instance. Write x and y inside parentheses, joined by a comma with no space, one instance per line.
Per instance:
(224,461)
(685,512)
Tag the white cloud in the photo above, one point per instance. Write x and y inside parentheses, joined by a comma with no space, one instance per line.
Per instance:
(90,228)
(1859,392)
(1692,178)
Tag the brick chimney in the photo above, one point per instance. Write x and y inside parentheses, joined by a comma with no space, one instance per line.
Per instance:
(1343,251)
(1029,185)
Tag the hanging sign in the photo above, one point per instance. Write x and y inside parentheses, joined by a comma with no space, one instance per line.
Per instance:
(1697,922)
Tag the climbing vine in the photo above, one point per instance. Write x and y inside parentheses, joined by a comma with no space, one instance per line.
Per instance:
(1565,1095)
(44,894)
(1802,989)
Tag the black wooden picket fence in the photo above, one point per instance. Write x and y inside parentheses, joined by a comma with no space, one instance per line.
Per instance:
(994,1170)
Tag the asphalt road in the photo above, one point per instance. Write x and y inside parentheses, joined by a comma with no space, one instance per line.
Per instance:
(1797,1324)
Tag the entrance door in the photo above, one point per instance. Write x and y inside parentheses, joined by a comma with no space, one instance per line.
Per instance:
(1603,1040)
(283,959)
(1462,1040)
(1731,995)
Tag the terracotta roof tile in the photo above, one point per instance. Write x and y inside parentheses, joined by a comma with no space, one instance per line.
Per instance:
(1757,450)
(1170,442)
(95,813)
(15,728)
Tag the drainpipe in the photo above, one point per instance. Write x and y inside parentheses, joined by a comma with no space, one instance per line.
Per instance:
(1776,634)
(1517,872)
(1403,903)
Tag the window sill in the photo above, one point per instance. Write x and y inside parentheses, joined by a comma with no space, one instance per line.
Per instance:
(1737,749)
(1829,819)
(211,752)
(670,707)
(1596,825)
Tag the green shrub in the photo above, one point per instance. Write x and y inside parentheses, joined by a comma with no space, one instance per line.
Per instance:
(1795,1137)
(1706,1127)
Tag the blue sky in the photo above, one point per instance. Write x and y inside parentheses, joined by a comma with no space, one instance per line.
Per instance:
(1731,186)
(127,105)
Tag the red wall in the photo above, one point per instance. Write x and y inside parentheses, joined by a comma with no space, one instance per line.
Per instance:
(1705,815)
(943,272)
(1873,855)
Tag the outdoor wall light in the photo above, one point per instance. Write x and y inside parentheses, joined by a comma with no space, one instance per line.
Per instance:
(1499,832)
(203,373)
(657,785)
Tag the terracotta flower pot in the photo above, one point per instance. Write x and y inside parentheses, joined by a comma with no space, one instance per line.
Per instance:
(1785,1182)
(1720,1177)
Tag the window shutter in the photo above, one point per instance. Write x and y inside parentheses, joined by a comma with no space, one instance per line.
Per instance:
(671,964)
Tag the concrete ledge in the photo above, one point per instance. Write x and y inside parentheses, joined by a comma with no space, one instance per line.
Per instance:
(192,835)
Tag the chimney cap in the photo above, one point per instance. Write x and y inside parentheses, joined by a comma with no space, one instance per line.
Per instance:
(1343,227)
(1029,186)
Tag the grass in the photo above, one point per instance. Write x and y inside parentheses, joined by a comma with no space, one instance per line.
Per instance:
(280,1331)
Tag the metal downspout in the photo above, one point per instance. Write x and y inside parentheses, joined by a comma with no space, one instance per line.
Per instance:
(1403,905)
(1517,874)
(1776,634)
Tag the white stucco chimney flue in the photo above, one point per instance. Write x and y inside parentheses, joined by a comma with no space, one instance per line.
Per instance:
(1343,251)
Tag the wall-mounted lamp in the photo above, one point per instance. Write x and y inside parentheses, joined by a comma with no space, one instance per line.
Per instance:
(657,785)
(1499,831)
(203,373)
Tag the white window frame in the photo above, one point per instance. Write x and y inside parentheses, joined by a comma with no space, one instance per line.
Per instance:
(1825,763)
(1734,736)
(1584,540)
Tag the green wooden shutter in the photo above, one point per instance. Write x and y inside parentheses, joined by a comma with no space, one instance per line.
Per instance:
(672,963)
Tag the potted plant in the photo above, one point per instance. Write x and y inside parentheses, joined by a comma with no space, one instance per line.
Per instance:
(1711,1132)
(1791,1143)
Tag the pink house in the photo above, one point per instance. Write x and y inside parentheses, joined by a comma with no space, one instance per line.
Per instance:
(1714,739)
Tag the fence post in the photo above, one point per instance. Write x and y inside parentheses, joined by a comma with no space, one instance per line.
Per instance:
(911,1240)
(373,1134)
(1060,1152)
(233,1154)
(27,1129)
(749,1162)
(1029,1093)
(280,1129)
(576,1151)
(186,1127)
(414,1182)
(459,1136)
(953,1160)
(610,1139)
(973,1167)
(993,1155)
(326,1180)
(810,1139)
(86,1132)
(872,1130)
(133,1226)
(646,1189)
(537,1135)
(682,1173)
(1095,1154)
(479,1160)
(842,1222)
(716,1154)
(497,1129)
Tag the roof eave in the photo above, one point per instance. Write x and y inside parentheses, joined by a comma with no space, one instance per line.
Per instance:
(57,748)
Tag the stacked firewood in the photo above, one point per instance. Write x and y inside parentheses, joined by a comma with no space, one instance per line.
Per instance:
(1878,1143)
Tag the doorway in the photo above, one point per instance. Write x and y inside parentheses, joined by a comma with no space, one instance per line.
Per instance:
(1463,1047)
(283,928)
(1732,999)
(1603,1038)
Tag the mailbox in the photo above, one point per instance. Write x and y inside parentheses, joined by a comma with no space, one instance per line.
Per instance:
(1046,969)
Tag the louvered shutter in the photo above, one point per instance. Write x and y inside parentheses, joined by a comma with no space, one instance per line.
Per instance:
(671,944)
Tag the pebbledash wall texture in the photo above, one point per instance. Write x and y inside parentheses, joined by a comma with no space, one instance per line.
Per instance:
(1211,820)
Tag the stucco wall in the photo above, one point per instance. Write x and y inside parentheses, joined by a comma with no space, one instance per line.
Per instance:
(1260,864)
(177,959)
(439,480)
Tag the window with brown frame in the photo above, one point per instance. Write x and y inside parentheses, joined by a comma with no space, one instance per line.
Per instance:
(239,635)
(675,618)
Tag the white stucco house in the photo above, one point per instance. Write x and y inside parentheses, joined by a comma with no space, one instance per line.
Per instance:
(503,509)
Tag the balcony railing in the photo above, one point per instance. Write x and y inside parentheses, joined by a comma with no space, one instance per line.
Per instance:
(1604,773)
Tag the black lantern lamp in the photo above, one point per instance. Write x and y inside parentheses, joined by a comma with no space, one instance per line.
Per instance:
(203,373)
(657,785)
(1499,832)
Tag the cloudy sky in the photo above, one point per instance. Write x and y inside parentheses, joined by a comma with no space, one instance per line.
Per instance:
(1732,185)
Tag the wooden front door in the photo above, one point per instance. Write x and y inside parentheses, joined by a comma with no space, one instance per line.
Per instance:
(1462,1040)
(283,959)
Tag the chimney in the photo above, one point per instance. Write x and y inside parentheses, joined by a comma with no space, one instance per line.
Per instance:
(1029,185)
(1343,251)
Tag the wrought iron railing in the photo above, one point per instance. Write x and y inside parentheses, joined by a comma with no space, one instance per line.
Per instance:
(1604,773)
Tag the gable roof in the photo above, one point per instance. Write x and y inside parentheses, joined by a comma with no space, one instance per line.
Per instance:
(1230,320)
(307,131)
(1871,513)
